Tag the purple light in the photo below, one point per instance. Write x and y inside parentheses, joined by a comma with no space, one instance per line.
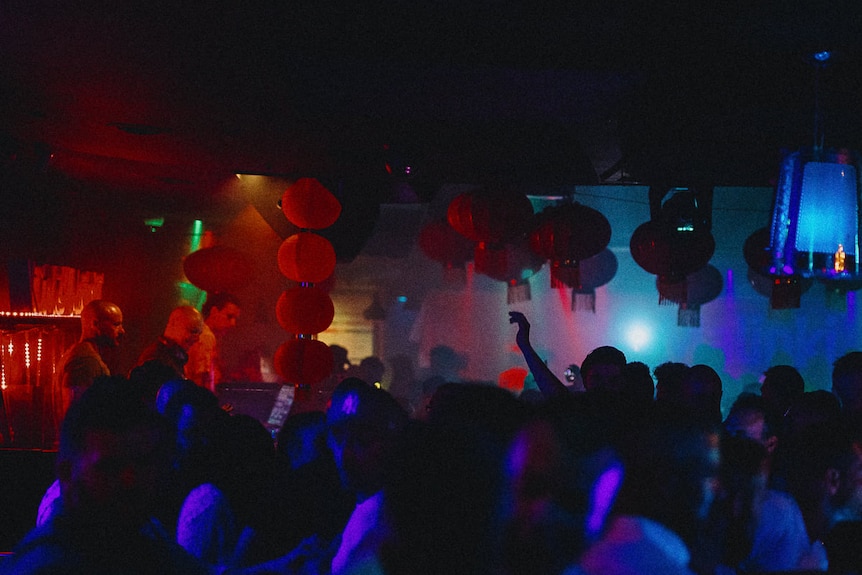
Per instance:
(348,407)
(604,493)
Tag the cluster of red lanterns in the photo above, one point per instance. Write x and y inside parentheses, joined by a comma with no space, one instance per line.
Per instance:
(510,243)
(308,259)
(497,221)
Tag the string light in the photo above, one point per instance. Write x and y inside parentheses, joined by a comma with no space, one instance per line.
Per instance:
(34,314)
(2,366)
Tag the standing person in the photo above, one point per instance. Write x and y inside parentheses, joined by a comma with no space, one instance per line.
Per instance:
(220,311)
(602,368)
(165,359)
(101,332)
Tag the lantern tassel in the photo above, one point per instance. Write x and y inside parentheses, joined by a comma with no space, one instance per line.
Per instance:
(564,275)
(688,316)
(673,292)
(556,282)
(584,300)
(518,292)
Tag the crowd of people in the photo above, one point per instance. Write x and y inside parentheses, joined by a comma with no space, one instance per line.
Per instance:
(631,470)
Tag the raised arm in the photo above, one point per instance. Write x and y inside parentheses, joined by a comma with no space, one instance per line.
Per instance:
(549,384)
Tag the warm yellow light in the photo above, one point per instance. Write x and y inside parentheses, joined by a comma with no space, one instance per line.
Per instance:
(838,259)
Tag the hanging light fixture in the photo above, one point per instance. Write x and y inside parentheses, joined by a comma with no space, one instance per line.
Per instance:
(814,231)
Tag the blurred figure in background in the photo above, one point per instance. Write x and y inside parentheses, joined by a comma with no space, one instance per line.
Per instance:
(220,311)
(101,333)
(183,330)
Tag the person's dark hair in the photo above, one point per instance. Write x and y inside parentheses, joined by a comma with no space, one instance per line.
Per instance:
(846,364)
(787,377)
(218,300)
(638,382)
(669,378)
(175,395)
(302,438)
(111,405)
(847,380)
(733,513)
(604,355)
(666,463)
(746,404)
(488,408)
(149,377)
(443,496)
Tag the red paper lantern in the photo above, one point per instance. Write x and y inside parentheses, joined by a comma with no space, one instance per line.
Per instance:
(570,233)
(304,310)
(756,251)
(511,263)
(784,292)
(308,204)
(441,243)
(490,215)
(306,257)
(303,361)
(585,277)
(218,269)
(664,251)
(696,289)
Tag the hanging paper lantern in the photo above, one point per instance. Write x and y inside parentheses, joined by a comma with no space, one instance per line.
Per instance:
(490,215)
(755,250)
(441,243)
(568,234)
(306,257)
(677,240)
(218,269)
(308,204)
(784,292)
(664,251)
(304,310)
(303,361)
(512,263)
(588,275)
(696,289)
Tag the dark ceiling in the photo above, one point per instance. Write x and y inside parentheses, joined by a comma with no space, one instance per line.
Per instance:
(164,100)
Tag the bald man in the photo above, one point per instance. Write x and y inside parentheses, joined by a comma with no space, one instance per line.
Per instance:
(171,349)
(101,332)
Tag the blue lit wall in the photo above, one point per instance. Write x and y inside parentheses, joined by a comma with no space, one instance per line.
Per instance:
(739,336)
